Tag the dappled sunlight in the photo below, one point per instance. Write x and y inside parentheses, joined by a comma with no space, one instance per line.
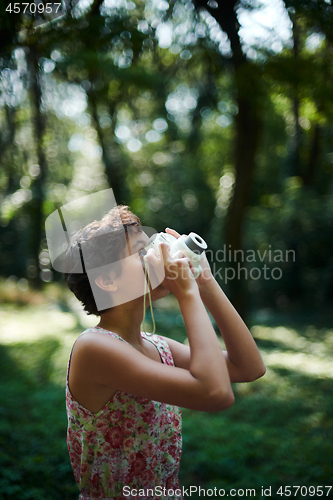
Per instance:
(292,351)
(316,366)
(321,340)
(295,352)
(25,330)
(29,324)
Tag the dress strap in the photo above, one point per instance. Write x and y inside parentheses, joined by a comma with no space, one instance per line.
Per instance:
(162,346)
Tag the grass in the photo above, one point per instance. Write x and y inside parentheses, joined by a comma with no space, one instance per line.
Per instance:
(278,432)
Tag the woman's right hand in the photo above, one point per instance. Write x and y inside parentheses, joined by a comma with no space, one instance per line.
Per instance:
(178,276)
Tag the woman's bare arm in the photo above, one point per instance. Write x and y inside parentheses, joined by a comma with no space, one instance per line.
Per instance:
(242,356)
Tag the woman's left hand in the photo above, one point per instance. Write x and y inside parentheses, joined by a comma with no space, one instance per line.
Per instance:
(206,274)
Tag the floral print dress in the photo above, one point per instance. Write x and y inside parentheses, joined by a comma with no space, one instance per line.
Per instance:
(132,441)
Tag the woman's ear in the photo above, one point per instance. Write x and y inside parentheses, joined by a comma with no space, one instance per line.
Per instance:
(106,284)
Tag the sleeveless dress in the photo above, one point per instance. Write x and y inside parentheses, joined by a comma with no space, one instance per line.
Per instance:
(132,441)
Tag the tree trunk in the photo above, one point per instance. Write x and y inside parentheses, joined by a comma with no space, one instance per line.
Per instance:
(7,140)
(114,168)
(248,129)
(38,186)
(295,163)
(247,137)
(309,177)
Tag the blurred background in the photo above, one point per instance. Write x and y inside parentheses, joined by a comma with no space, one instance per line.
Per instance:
(213,117)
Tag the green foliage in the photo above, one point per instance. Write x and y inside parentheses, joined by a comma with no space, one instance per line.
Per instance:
(295,222)
(80,100)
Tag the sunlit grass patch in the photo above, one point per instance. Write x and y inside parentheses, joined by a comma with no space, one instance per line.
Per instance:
(307,339)
(29,324)
(317,366)
(290,350)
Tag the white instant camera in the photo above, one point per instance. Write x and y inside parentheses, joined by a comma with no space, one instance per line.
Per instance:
(192,247)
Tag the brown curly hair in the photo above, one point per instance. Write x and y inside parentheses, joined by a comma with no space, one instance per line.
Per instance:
(103,243)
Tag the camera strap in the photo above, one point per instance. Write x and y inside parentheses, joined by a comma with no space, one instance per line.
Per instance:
(147,282)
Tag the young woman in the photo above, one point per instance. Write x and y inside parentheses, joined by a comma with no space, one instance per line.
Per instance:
(124,387)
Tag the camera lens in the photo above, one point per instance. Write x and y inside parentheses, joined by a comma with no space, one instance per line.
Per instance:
(195,243)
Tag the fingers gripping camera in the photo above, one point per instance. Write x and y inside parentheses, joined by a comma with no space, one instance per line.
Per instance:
(192,247)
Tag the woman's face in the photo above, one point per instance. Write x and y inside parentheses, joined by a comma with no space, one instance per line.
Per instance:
(124,280)
(131,281)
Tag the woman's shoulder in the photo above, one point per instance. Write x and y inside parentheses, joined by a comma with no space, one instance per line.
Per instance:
(92,330)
